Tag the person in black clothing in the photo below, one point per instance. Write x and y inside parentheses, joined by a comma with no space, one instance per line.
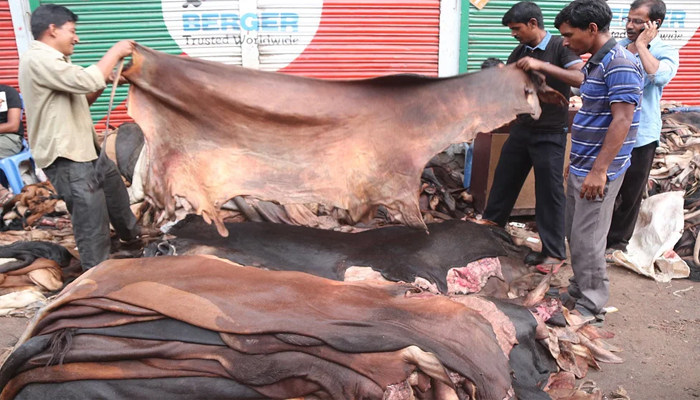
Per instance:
(11,129)
(492,62)
(537,143)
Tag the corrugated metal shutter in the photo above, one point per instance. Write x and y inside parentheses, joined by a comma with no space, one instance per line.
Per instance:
(685,19)
(679,29)
(354,39)
(489,38)
(361,39)
(9,59)
(685,86)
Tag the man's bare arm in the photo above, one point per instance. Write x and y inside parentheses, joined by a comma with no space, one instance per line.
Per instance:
(12,124)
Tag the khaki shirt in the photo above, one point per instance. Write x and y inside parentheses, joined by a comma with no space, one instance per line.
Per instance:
(58,114)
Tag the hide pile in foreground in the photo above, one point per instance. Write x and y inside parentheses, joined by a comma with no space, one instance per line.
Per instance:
(161,327)
(240,332)
(677,168)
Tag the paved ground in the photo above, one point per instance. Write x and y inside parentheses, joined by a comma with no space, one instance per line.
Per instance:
(660,335)
(10,330)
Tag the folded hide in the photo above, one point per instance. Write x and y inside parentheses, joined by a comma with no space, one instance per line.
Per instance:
(43,273)
(16,300)
(28,250)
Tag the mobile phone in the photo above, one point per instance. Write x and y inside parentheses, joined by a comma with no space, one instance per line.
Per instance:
(654,22)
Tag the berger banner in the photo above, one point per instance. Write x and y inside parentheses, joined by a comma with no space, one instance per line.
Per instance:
(219,30)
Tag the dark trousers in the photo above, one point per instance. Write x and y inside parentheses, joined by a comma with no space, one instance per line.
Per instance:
(91,208)
(630,197)
(545,152)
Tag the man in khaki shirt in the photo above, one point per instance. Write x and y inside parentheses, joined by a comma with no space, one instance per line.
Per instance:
(57,97)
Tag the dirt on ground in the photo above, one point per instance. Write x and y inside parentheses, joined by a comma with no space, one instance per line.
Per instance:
(657,325)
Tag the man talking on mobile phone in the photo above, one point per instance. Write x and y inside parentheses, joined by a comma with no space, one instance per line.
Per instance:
(660,64)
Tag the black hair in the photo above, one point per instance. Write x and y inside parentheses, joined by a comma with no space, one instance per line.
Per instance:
(657,9)
(580,13)
(491,62)
(48,14)
(522,13)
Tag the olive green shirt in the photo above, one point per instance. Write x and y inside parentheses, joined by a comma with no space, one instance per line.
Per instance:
(58,115)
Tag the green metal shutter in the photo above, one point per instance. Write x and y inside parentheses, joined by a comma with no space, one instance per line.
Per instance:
(487,37)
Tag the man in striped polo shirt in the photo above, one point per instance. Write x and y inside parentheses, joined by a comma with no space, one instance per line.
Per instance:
(603,135)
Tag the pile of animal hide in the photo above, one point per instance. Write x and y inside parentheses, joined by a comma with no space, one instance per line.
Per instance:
(28,271)
(443,196)
(145,327)
(677,168)
(36,206)
(456,258)
(163,321)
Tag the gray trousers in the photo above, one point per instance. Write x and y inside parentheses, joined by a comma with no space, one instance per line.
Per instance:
(587,225)
(92,209)
(10,144)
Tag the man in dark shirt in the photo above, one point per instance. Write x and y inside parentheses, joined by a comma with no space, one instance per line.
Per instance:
(540,144)
(492,62)
(11,129)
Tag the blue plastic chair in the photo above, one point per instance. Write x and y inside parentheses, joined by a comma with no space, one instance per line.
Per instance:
(10,165)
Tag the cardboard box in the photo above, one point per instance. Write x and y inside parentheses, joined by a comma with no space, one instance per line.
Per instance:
(487,152)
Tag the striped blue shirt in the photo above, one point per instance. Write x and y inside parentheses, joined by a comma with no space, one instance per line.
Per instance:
(611,75)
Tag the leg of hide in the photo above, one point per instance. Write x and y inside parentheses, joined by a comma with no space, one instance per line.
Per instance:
(531,364)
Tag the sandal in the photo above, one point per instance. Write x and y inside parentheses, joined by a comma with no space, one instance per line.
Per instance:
(609,256)
(554,267)
(597,320)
